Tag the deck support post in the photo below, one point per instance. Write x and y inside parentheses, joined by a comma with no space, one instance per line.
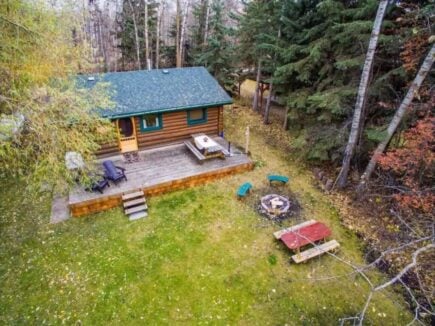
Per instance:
(247,140)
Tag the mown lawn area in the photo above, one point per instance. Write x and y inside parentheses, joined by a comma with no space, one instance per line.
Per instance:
(201,257)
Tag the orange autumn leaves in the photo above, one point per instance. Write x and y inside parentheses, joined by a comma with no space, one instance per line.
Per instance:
(413,165)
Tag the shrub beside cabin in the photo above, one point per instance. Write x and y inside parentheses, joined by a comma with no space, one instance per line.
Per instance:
(157,107)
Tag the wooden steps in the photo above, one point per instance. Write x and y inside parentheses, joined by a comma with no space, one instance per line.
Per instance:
(134,202)
(135,206)
(132,195)
(136,209)
(316,251)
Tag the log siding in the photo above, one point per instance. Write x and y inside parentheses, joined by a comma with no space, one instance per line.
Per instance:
(175,129)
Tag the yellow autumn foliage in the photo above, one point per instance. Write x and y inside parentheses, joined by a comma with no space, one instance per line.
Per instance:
(42,49)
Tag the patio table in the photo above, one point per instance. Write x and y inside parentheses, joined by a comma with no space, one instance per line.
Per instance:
(206,144)
(305,235)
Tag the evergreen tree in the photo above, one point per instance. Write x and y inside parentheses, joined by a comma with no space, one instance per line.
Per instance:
(320,69)
(217,54)
(318,59)
(127,32)
(200,13)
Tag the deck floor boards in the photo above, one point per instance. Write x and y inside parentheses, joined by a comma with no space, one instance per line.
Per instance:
(161,166)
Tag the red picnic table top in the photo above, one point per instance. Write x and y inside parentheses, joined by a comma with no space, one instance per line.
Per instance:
(305,235)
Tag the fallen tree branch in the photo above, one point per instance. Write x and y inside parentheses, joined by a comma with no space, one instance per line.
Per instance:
(388,251)
(407,267)
(360,270)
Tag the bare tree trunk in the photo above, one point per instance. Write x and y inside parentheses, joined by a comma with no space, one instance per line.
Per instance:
(362,95)
(136,35)
(159,27)
(285,124)
(115,59)
(398,116)
(271,91)
(146,36)
(257,87)
(102,41)
(207,16)
(267,109)
(177,40)
(183,31)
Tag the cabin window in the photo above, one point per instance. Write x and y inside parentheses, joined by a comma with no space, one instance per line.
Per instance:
(151,122)
(196,116)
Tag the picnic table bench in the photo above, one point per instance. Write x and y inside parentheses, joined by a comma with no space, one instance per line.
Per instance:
(303,234)
(277,178)
(244,189)
(279,233)
(316,251)
(195,151)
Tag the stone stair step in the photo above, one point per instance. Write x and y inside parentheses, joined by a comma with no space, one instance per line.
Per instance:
(136,216)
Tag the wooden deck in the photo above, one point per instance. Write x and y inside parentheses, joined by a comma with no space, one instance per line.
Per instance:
(159,170)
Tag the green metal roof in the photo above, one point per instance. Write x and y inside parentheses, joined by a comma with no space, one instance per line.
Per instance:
(160,90)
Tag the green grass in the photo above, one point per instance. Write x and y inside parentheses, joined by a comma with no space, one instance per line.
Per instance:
(201,257)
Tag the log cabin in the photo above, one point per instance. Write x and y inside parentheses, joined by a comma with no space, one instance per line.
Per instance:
(161,106)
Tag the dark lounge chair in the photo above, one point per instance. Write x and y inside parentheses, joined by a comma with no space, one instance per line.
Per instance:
(99,182)
(113,172)
(99,185)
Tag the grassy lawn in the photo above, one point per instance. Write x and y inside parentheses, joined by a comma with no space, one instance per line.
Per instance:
(201,257)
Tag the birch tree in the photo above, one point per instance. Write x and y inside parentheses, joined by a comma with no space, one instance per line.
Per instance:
(398,116)
(177,38)
(183,31)
(136,35)
(361,97)
(207,17)
(146,36)
(158,29)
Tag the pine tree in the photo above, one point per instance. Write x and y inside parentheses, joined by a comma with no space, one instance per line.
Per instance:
(217,54)
(319,68)
(198,39)
(319,58)
(132,33)
(258,39)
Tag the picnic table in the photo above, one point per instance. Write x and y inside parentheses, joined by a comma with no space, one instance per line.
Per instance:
(207,146)
(305,235)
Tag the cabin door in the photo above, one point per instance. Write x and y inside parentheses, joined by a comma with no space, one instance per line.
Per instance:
(127,135)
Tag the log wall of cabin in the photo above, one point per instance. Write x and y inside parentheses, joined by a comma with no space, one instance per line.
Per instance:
(175,129)
(109,148)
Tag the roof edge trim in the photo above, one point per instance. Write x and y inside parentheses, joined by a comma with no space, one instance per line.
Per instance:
(181,108)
